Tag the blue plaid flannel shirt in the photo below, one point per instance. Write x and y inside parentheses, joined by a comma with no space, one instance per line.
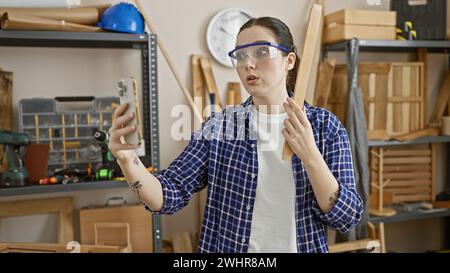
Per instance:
(224,158)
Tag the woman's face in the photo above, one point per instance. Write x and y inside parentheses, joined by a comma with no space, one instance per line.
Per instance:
(268,76)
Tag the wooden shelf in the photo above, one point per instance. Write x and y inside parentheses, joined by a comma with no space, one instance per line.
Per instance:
(82,186)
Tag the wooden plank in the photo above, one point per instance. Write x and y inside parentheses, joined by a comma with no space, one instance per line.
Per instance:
(372,108)
(417,134)
(362,17)
(405,168)
(198,89)
(406,78)
(407,160)
(336,33)
(6,106)
(381,102)
(422,57)
(409,183)
(412,175)
(236,87)
(62,206)
(433,172)
(324,81)
(310,91)
(412,198)
(375,68)
(306,63)
(417,152)
(181,243)
(414,190)
(415,107)
(390,104)
(398,113)
(6,100)
(442,101)
(230,98)
(382,237)
(394,99)
(210,81)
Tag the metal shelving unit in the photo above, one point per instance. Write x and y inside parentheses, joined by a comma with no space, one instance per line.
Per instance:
(146,43)
(352,48)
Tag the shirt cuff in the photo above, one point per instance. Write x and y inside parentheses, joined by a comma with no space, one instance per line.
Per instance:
(342,208)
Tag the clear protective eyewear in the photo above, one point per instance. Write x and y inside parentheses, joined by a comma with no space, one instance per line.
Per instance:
(258,51)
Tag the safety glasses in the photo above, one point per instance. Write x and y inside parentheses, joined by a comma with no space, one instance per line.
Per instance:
(257,52)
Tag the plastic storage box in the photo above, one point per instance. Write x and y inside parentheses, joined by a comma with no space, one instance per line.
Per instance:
(67,124)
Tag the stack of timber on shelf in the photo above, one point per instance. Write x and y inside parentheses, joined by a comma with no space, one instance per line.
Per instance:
(401,174)
(393,94)
(361,24)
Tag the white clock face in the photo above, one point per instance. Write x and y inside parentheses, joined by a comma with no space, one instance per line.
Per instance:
(222,32)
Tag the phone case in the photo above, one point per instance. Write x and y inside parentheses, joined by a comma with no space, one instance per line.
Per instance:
(128,94)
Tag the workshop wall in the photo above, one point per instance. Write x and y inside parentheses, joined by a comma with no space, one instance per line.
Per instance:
(181,25)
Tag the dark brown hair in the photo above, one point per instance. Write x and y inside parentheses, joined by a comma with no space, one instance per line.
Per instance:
(284,38)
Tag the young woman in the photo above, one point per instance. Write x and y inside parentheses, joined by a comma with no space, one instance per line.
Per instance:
(256,201)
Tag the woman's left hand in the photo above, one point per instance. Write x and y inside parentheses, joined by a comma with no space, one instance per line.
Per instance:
(298,132)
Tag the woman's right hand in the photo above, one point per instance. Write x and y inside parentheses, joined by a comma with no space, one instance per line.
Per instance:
(121,150)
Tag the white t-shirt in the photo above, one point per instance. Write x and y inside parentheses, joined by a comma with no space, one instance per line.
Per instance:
(273,226)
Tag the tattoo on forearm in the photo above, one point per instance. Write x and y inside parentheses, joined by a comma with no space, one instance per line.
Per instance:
(333,198)
(136,162)
(136,187)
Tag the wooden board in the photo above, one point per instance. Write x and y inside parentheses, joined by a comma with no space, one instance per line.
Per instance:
(182,243)
(442,101)
(362,17)
(210,82)
(324,81)
(198,89)
(139,219)
(306,63)
(62,206)
(336,33)
(236,88)
(6,116)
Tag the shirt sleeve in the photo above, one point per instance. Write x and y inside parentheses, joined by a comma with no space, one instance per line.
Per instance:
(347,211)
(186,175)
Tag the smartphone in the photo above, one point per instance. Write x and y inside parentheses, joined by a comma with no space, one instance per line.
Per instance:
(128,94)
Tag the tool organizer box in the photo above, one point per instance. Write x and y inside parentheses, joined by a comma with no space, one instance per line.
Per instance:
(67,124)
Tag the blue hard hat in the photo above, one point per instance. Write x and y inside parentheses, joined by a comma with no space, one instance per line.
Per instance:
(122,17)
